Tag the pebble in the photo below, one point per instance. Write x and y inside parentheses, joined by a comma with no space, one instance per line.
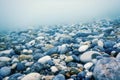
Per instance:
(59,77)
(100,43)
(20,67)
(54,69)
(83,48)
(7,52)
(88,65)
(5,59)
(5,71)
(69,58)
(32,76)
(44,59)
(88,56)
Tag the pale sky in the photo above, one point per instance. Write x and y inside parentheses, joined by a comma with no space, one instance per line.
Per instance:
(17,13)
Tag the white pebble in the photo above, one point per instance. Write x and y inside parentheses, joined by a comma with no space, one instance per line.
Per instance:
(6,59)
(100,43)
(54,69)
(32,76)
(88,65)
(44,59)
(83,48)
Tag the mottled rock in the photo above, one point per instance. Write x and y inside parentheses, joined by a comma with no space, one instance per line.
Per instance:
(59,77)
(107,69)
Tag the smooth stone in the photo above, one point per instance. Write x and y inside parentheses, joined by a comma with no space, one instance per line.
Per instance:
(107,68)
(5,71)
(88,56)
(14,76)
(68,59)
(62,49)
(7,52)
(5,59)
(20,67)
(25,51)
(47,77)
(44,59)
(31,43)
(109,44)
(88,65)
(81,74)
(83,48)
(37,56)
(118,57)
(117,45)
(75,58)
(54,69)
(37,67)
(59,77)
(100,43)
(89,74)
(52,51)
(28,64)
(32,76)
(25,57)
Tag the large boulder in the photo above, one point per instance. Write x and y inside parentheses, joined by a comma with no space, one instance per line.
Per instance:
(107,68)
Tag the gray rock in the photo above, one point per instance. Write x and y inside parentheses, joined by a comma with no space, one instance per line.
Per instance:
(107,69)
(88,56)
(5,71)
(59,77)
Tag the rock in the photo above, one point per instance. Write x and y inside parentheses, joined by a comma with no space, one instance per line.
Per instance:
(37,56)
(88,56)
(83,48)
(5,59)
(52,51)
(14,76)
(7,52)
(59,77)
(20,67)
(89,74)
(32,76)
(5,71)
(25,51)
(100,43)
(54,69)
(88,65)
(44,59)
(109,44)
(47,77)
(69,58)
(37,67)
(62,49)
(31,43)
(118,57)
(107,68)
(25,57)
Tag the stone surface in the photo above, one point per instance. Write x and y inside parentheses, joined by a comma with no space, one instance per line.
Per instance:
(44,59)
(32,76)
(108,69)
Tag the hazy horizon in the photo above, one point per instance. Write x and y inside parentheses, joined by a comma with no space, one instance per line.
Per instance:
(15,14)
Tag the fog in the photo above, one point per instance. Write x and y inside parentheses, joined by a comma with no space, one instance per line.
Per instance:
(21,14)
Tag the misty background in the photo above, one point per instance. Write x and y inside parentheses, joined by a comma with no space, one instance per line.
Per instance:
(22,14)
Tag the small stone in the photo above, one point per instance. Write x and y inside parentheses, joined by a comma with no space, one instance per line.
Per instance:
(118,57)
(88,56)
(54,69)
(7,52)
(5,59)
(88,65)
(83,48)
(89,74)
(14,76)
(44,59)
(25,57)
(62,49)
(25,51)
(59,77)
(69,58)
(32,76)
(100,43)
(20,67)
(5,71)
